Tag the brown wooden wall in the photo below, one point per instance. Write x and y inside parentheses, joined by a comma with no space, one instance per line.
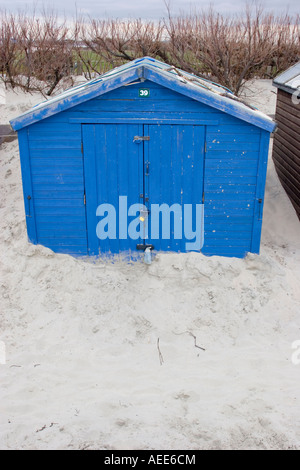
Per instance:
(286,149)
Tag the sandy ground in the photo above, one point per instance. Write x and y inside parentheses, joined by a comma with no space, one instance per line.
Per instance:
(83,369)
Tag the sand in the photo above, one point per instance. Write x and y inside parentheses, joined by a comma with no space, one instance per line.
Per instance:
(84,369)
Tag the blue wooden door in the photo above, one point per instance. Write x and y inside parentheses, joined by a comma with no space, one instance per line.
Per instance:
(162,167)
(113,167)
(174,176)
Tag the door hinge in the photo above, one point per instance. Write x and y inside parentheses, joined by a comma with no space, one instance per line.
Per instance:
(82,148)
(84,198)
(203,197)
(205,147)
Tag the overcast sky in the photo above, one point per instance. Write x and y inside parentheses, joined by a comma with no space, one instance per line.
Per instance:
(153,9)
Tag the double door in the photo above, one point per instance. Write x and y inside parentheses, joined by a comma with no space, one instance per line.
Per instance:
(139,179)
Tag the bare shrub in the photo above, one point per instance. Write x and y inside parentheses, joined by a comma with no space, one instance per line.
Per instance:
(9,48)
(39,52)
(231,50)
(113,42)
(52,57)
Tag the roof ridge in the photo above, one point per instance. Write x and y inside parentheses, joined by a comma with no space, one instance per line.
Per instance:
(195,87)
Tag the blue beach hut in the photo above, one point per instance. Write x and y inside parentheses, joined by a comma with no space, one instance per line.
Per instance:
(150,134)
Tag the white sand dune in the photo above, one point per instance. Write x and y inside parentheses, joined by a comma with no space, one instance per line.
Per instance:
(82,363)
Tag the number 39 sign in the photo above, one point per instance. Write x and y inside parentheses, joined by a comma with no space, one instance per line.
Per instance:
(144,92)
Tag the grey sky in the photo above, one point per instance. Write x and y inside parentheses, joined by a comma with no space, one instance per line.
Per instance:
(153,9)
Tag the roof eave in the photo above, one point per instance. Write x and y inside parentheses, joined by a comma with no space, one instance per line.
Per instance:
(147,71)
(220,102)
(282,86)
(67,102)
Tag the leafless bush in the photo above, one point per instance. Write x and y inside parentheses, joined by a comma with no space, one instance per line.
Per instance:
(233,50)
(52,57)
(9,48)
(108,43)
(37,50)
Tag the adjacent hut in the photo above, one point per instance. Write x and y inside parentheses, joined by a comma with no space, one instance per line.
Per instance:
(150,134)
(286,148)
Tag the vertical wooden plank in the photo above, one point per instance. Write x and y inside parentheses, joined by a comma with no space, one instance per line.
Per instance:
(176,154)
(103,132)
(129,164)
(114,145)
(27,185)
(260,191)
(89,149)
(113,168)
(192,174)
(176,170)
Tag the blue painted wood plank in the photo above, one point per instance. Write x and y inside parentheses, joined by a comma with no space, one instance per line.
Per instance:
(230,173)
(227,242)
(79,187)
(260,191)
(232,252)
(48,137)
(234,203)
(228,238)
(232,155)
(222,137)
(149,118)
(58,211)
(145,106)
(57,179)
(88,135)
(229,198)
(214,211)
(49,202)
(53,144)
(66,233)
(57,194)
(229,179)
(228,189)
(79,250)
(239,230)
(58,171)
(62,241)
(231,164)
(243,146)
(57,162)
(236,128)
(131,91)
(27,185)
(60,220)
(69,153)
(52,126)
(242,219)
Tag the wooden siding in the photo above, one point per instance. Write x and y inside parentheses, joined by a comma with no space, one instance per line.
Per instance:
(57,186)
(286,148)
(157,72)
(231,170)
(230,183)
